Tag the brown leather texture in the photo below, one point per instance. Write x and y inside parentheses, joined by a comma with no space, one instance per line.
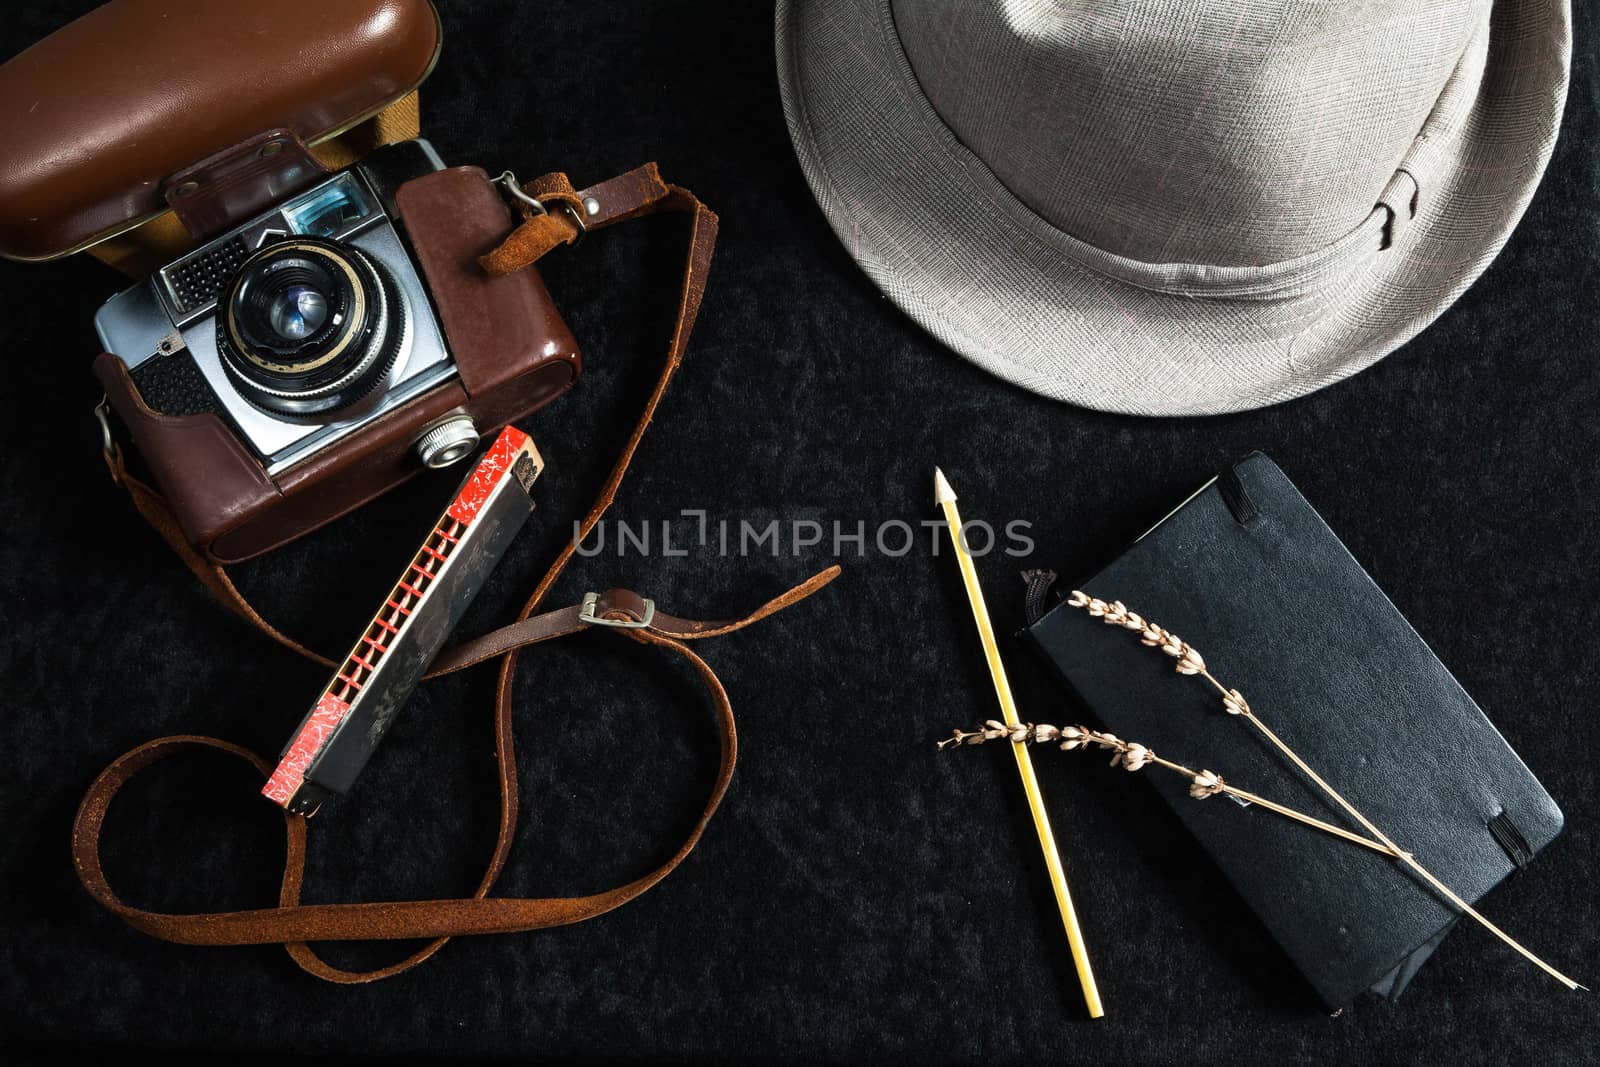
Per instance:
(513,351)
(102,112)
(240,182)
(143,250)
(211,482)
(614,200)
(338,479)
(454,216)
(206,559)
(613,604)
(294,924)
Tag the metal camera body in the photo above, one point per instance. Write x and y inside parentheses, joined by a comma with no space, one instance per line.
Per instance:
(173,330)
(324,345)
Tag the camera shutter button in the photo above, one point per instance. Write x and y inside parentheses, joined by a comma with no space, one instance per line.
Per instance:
(447,442)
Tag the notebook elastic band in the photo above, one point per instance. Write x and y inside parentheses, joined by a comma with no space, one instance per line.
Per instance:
(1505,832)
(1244,510)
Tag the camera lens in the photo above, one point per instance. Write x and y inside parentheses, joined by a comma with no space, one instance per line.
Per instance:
(299,312)
(309,326)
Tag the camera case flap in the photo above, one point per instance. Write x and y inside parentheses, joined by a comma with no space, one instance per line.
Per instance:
(104,117)
(512,353)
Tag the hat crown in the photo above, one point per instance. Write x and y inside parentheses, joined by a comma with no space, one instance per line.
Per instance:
(1217,132)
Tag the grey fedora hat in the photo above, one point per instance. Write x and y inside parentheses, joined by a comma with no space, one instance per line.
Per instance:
(1168,207)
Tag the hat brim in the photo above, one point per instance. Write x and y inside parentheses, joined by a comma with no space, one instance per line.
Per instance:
(975,267)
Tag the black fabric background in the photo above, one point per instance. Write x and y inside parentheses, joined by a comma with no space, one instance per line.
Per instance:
(860,895)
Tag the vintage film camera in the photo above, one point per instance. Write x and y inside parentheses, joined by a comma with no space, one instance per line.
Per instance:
(299,327)
(321,329)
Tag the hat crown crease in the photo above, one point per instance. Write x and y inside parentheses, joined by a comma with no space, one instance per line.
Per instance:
(1193,146)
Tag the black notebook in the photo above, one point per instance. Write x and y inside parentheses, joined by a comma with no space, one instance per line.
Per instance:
(1247,572)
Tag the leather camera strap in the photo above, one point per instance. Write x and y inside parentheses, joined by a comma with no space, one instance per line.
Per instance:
(639,192)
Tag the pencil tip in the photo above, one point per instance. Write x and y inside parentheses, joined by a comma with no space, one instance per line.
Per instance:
(942,493)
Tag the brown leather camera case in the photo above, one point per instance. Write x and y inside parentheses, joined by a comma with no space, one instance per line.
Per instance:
(513,354)
(102,113)
(217,111)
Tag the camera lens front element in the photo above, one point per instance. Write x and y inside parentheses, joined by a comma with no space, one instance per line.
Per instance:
(309,326)
(299,312)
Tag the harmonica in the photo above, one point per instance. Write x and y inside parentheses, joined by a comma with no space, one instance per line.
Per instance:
(349,718)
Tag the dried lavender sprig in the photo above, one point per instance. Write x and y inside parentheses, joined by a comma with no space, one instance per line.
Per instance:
(1190,662)
(1132,756)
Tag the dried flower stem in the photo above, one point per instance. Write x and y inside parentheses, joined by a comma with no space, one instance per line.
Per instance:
(1132,756)
(1190,662)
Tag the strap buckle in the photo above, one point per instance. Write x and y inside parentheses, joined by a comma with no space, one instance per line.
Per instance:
(587,614)
(102,412)
(513,188)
